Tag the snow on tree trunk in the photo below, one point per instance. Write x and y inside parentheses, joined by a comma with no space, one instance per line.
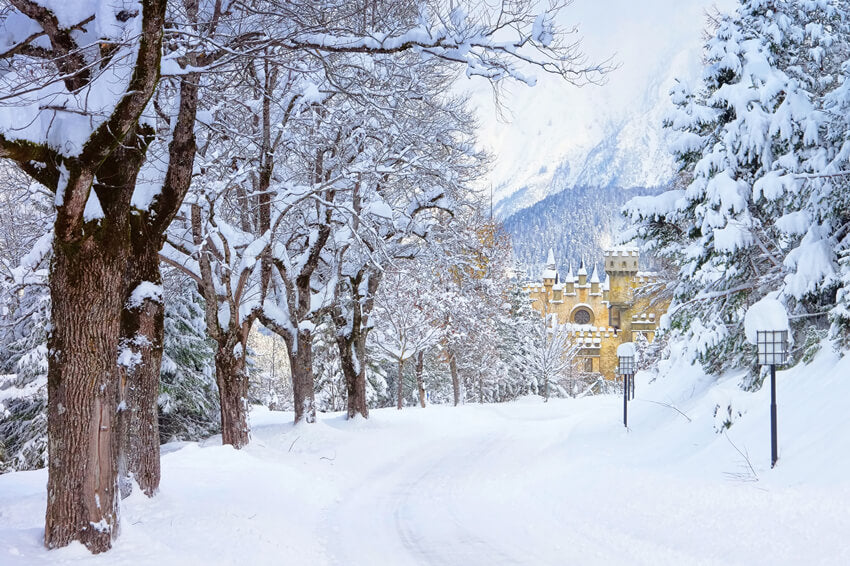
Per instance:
(142,328)
(232,382)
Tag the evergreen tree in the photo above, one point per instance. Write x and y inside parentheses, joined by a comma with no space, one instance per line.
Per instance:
(188,400)
(23,391)
(746,215)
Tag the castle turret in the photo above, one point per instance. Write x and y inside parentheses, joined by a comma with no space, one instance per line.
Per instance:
(549,273)
(570,281)
(621,265)
(594,281)
(582,274)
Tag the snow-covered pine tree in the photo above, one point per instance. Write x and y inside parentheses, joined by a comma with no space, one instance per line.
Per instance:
(744,218)
(188,400)
(329,383)
(24,320)
(23,390)
(517,336)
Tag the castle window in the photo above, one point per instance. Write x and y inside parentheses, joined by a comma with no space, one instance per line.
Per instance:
(614,317)
(588,365)
(581,316)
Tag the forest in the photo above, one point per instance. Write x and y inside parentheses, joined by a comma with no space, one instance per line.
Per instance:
(176,173)
(217,212)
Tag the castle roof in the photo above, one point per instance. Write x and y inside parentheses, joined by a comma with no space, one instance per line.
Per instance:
(550,259)
(570,278)
(581,269)
(595,277)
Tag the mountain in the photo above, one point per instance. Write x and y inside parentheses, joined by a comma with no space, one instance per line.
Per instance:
(628,151)
(577,223)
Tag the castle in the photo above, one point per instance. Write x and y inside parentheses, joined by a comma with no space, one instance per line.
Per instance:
(602,315)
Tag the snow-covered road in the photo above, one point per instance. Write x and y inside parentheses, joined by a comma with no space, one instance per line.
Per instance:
(521,483)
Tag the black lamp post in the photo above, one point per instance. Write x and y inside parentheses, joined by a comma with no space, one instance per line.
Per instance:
(772,351)
(625,352)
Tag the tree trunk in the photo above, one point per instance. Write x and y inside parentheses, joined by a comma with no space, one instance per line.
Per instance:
(87,290)
(301,362)
(480,388)
(139,366)
(233,395)
(420,361)
(455,380)
(400,388)
(352,352)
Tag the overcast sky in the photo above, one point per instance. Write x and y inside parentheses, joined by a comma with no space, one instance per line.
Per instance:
(652,41)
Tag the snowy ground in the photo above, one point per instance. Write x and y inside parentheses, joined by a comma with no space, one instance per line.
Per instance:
(519,483)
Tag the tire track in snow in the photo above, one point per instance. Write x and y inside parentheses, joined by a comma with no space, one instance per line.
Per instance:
(458,544)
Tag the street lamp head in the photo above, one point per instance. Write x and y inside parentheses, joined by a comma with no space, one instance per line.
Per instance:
(772,347)
(627,365)
(626,354)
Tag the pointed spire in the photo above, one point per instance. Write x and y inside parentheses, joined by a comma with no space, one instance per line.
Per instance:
(606,286)
(570,278)
(595,277)
(549,271)
(581,269)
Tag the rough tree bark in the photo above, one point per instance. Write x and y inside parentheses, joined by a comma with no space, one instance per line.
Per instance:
(231,339)
(232,383)
(355,376)
(142,336)
(301,364)
(82,502)
(420,361)
(455,379)
(87,288)
(351,339)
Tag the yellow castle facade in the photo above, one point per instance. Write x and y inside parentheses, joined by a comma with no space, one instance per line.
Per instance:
(601,314)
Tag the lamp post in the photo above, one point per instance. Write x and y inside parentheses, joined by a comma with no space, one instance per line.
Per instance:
(626,354)
(772,351)
(766,326)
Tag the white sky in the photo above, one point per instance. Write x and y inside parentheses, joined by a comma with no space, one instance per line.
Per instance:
(652,40)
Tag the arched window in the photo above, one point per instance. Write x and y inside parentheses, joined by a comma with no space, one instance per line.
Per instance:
(582,316)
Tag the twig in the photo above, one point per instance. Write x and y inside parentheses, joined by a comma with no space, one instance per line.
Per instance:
(675,408)
(293,443)
(744,456)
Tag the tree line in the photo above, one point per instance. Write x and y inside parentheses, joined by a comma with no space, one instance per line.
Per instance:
(284,158)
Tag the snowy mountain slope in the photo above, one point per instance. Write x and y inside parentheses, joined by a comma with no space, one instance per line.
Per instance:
(578,222)
(515,483)
(629,150)
(557,136)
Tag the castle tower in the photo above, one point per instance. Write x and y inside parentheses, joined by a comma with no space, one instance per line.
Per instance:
(549,273)
(582,274)
(570,281)
(594,281)
(621,265)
